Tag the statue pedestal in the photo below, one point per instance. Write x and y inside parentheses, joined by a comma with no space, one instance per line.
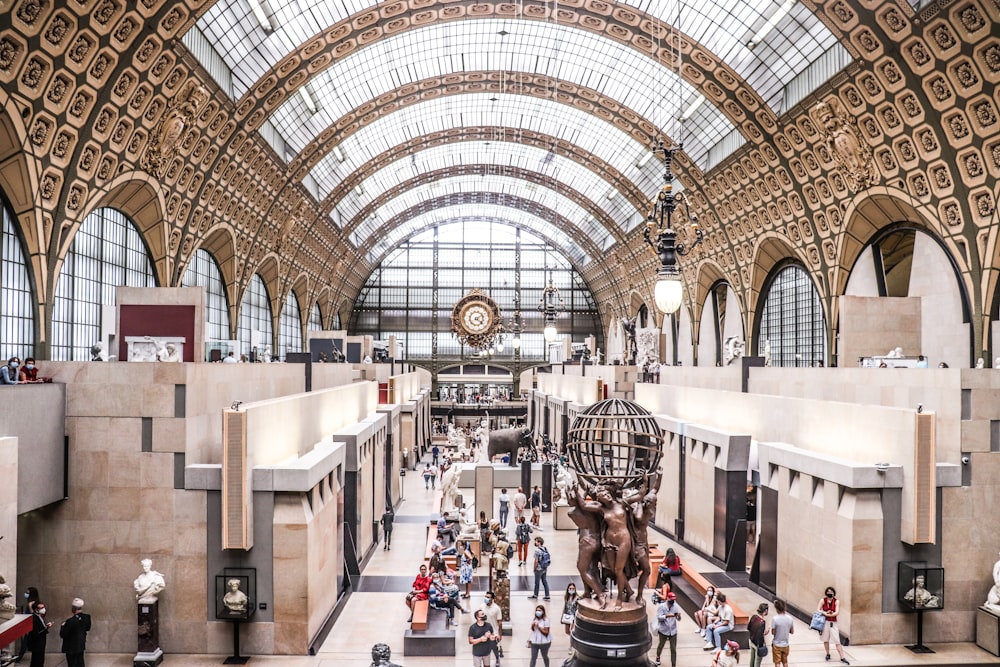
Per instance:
(150,654)
(561,520)
(988,630)
(610,637)
(501,591)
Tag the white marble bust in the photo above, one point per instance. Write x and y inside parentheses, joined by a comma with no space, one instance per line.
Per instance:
(149,584)
(235,600)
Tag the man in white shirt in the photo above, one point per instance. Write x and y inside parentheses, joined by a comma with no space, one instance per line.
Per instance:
(714,631)
(231,359)
(494,616)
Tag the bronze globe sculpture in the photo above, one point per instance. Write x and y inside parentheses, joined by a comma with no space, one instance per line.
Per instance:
(614,447)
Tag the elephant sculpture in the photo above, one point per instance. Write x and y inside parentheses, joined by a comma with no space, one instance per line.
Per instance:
(509,441)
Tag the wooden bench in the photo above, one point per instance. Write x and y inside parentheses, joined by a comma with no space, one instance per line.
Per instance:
(701,584)
(420,609)
(432,533)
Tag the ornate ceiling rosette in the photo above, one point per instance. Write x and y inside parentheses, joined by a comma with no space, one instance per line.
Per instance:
(476,320)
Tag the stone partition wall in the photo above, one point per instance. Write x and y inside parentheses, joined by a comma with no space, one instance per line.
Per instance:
(308,562)
(728,378)
(132,430)
(668,500)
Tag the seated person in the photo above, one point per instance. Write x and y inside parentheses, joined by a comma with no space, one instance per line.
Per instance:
(725,622)
(419,590)
(29,372)
(446,533)
(708,613)
(670,567)
(440,599)
(436,562)
(9,371)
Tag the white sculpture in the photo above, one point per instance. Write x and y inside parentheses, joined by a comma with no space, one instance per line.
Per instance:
(168,352)
(993,597)
(920,596)
(7,608)
(895,353)
(647,343)
(235,600)
(767,352)
(564,481)
(149,584)
(980,363)
(449,489)
(597,357)
(468,528)
(734,349)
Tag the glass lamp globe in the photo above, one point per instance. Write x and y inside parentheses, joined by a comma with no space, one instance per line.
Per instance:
(550,332)
(516,343)
(668,294)
(499,347)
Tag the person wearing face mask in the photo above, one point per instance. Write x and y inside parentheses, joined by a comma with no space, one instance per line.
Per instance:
(494,616)
(29,372)
(570,602)
(8,372)
(541,637)
(830,606)
(38,636)
(481,637)
(30,599)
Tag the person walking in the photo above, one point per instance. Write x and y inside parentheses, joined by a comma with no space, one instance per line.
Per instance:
(481,638)
(541,637)
(73,632)
(30,598)
(428,475)
(435,452)
(494,616)
(387,518)
(830,607)
(570,602)
(536,507)
(523,534)
(541,567)
(757,629)
(781,627)
(727,656)
(504,507)
(520,503)
(668,612)
(36,639)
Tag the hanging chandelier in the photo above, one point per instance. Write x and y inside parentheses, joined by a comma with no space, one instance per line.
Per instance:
(550,303)
(662,237)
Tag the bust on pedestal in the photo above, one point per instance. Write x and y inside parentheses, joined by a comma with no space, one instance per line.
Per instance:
(148,586)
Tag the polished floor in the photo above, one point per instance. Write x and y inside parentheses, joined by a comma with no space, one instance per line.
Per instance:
(376,613)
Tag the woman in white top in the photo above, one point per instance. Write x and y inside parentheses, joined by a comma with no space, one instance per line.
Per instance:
(541,637)
(709,610)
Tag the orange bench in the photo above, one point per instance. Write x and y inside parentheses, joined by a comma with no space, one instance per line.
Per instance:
(701,584)
(655,558)
(420,609)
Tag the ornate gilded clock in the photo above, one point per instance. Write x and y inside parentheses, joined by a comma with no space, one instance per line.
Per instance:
(476,320)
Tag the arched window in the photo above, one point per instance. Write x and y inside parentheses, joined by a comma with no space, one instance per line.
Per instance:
(17,325)
(107,252)
(204,271)
(290,327)
(256,331)
(792,320)
(337,326)
(315,319)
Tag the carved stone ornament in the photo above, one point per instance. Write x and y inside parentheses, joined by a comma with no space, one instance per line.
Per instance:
(166,136)
(852,155)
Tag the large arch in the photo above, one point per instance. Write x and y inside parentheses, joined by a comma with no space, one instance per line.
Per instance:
(772,249)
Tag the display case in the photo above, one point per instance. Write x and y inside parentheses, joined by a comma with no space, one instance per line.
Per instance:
(920,586)
(236,593)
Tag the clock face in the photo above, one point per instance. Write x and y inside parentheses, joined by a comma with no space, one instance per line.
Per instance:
(476,318)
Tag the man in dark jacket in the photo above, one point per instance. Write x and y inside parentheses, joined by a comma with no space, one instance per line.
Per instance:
(74,635)
(36,639)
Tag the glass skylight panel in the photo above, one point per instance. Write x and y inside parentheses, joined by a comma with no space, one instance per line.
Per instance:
(570,54)
(606,141)
(473,184)
(573,174)
(492,213)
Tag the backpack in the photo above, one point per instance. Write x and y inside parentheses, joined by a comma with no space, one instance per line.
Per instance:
(522,533)
(510,551)
(544,559)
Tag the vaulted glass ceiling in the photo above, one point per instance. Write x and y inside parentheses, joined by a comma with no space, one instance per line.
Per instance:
(494,155)
(766,42)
